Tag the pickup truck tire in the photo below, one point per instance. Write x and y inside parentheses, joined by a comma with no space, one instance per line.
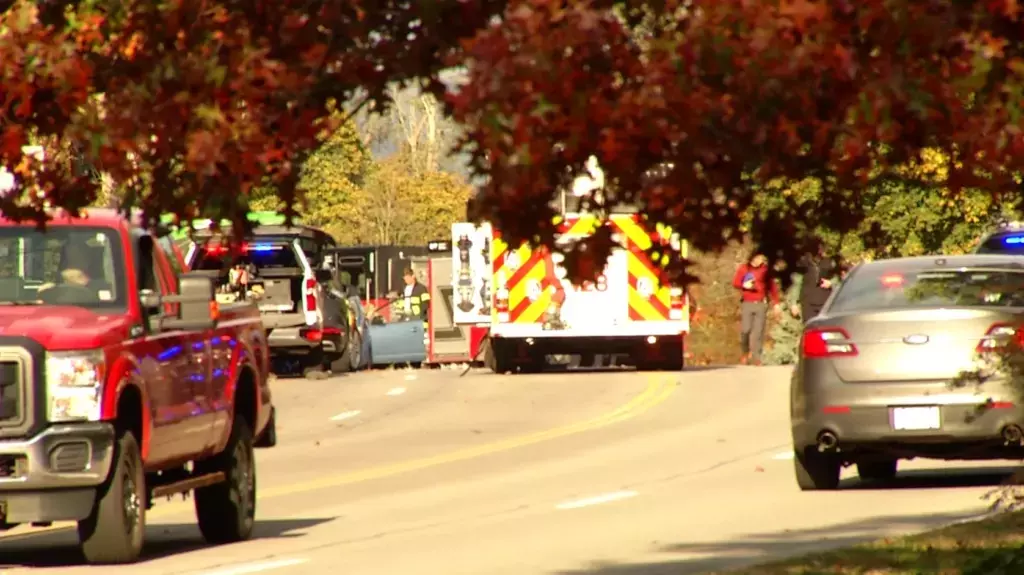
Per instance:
(227,511)
(269,436)
(115,530)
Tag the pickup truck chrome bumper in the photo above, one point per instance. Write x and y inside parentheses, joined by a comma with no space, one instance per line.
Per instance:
(53,476)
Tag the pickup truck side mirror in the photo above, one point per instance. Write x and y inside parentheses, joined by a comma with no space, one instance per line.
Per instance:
(323,276)
(149,299)
(197,305)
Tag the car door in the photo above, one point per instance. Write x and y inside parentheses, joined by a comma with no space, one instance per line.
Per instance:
(398,342)
(170,368)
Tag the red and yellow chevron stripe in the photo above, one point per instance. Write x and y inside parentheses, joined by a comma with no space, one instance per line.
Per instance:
(649,300)
(518,270)
(531,286)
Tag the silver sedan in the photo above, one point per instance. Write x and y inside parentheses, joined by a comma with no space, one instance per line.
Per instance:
(909,358)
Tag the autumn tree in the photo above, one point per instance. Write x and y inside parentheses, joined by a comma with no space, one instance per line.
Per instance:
(330,181)
(690,105)
(401,206)
(417,125)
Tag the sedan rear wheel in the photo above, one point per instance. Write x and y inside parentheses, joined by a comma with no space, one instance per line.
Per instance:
(816,471)
(877,470)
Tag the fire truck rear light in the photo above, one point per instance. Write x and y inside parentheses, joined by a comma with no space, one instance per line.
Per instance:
(676,291)
(675,314)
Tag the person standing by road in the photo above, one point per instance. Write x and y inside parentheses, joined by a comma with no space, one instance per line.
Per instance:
(817,284)
(416,300)
(757,288)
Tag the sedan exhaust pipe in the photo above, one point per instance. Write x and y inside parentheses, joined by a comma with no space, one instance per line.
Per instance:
(827,441)
(1013,435)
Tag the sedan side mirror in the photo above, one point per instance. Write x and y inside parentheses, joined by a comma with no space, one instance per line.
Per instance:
(197,305)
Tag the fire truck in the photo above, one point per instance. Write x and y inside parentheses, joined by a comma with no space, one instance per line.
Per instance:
(534,311)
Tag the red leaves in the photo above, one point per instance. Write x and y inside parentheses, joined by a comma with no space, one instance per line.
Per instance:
(718,97)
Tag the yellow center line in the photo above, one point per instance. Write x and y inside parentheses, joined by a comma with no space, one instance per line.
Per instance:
(657,391)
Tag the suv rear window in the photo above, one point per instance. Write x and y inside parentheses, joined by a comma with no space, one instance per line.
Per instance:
(880,288)
(272,255)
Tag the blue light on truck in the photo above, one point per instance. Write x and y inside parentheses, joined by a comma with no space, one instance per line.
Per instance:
(1013,240)
(263,247)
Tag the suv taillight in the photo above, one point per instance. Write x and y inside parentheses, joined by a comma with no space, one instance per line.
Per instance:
(310,294)
(999,337)
(827,342)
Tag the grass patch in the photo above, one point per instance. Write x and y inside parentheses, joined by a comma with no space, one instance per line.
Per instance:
(992,546)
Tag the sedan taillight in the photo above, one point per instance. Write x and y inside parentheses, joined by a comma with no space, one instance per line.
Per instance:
(1000,337)
(827,342)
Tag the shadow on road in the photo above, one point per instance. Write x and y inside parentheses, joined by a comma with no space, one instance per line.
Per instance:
(763,547)
(60,549)
(683,558)
(936,479)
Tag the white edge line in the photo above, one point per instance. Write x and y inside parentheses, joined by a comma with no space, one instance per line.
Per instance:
(259,567)
(397,391)
(346,415)
(597,500)
(782,456)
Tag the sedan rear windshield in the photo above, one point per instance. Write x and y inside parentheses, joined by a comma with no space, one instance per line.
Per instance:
(880,288)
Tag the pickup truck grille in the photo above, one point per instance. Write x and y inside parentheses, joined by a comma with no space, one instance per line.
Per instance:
(12,393)
(16,401)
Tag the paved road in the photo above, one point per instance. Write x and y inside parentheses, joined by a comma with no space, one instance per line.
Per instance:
(610,473)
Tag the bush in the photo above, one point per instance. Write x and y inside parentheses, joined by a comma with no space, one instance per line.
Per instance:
(784,333)
(715,336)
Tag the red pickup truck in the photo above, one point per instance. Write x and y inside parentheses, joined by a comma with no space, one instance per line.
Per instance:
(122,381)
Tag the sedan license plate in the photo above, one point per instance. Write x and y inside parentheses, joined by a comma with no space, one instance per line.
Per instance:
(915,418)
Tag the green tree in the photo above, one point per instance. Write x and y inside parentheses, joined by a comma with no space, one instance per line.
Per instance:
(331,180)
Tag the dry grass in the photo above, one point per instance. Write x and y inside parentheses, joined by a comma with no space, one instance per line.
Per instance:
(993,546)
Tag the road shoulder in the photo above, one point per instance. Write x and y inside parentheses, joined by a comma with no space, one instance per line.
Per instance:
(982,547)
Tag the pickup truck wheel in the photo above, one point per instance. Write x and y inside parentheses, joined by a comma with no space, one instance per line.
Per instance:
(227,511)
(269,436)
(114,531)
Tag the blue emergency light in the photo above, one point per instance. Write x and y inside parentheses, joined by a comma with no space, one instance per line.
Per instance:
(263,247)
(1013,240)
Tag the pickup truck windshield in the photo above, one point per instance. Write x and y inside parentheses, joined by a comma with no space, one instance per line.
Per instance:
(65,265)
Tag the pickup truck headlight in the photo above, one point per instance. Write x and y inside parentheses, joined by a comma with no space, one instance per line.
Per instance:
(74,385)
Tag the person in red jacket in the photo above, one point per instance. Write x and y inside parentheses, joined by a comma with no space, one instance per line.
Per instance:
(757,287)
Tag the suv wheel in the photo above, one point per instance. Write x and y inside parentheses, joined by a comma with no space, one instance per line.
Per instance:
(816,471)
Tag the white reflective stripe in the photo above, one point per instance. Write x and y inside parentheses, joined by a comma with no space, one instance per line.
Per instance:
(315,316)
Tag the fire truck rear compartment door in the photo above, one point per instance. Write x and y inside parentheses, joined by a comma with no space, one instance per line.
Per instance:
(603,303)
